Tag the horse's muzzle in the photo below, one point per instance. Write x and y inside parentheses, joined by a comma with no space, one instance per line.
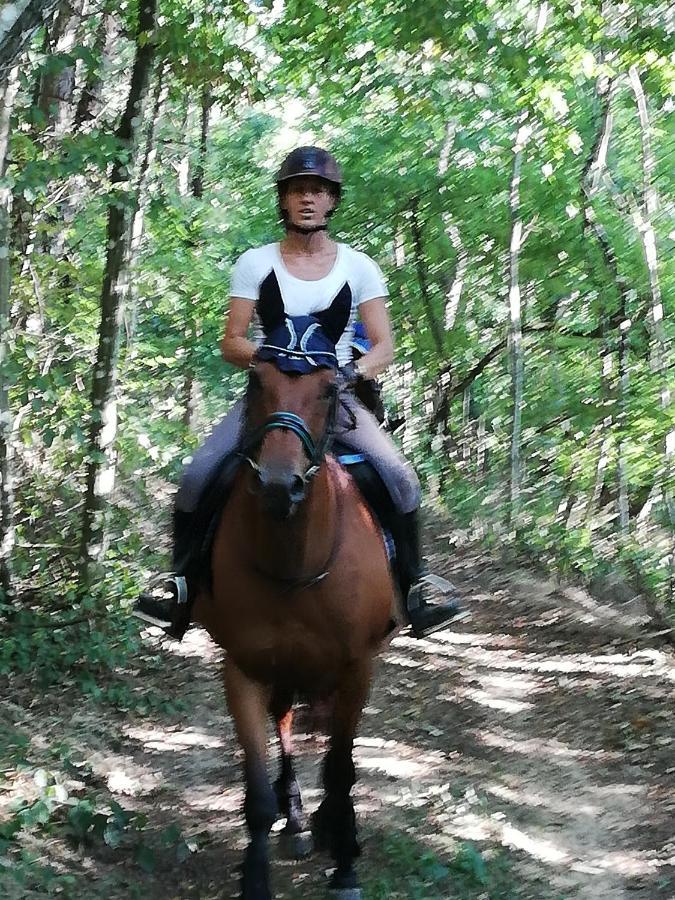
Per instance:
(280,492)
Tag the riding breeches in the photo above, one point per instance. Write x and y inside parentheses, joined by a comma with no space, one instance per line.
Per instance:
(356,429)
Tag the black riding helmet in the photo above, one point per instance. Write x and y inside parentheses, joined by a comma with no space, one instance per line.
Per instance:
(309,161)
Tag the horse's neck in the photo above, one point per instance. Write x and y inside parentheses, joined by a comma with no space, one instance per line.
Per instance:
(298,547)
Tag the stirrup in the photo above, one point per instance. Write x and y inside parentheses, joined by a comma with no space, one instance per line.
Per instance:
(427,618)
(437,581)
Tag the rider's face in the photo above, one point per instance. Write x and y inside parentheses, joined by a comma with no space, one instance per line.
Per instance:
(308,201)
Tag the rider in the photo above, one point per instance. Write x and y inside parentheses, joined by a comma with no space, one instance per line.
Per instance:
(310,269)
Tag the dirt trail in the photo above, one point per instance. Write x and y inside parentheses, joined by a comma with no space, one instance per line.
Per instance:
(539,733)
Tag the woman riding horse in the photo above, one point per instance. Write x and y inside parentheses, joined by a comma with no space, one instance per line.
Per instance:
(308,269)
(301,590)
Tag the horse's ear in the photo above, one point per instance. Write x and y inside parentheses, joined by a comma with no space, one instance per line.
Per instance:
(334,319)
(270,305)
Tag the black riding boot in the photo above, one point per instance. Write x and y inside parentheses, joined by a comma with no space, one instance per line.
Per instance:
(169,603)
(424,618)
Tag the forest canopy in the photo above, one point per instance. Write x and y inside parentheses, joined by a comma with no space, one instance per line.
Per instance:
(506,163)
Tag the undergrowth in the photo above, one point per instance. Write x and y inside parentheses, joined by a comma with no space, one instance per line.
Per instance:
(408,870)
(94,823)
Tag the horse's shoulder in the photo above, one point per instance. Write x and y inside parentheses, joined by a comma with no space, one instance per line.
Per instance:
(338,475)
(347,487)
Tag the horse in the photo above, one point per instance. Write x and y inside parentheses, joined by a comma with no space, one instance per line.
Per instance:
(301,600)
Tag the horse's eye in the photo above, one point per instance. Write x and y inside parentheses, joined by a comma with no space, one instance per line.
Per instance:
(329,392)
(254,382)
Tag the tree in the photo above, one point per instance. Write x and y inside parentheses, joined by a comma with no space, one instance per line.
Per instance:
(103,427)
(7,97)
(18,23)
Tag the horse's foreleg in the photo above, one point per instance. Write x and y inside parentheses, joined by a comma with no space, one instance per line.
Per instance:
(294,839)
(334,822)
(248,703)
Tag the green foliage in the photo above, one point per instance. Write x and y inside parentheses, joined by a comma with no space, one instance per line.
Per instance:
(421,106)
(81,822)
(410,871)
(88,643)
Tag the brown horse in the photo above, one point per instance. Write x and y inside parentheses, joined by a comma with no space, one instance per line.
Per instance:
(301,601)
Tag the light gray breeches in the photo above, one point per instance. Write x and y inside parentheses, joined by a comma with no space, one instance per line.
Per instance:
(366,437)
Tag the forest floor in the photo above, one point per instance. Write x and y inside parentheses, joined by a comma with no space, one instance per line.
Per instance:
(526,753)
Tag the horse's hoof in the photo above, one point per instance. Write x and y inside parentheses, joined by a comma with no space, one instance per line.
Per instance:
(296,846)
(344,886)
(255,888)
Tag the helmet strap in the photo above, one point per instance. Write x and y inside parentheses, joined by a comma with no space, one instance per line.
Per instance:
(290,226)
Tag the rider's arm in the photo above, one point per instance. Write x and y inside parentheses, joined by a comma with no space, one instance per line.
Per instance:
(377,323)
(236,348)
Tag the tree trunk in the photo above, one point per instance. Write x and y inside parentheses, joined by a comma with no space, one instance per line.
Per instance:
(453,297)
(138,221)
(481,448)
(103,427)
(467,428)
(57,88)
(20,21)
(566,506)
(659,343)
(90,97)
(432,319)
(601,467)
(194,326)
(591,177)
(622,475)
(198,176)
(515,321)
(6,474)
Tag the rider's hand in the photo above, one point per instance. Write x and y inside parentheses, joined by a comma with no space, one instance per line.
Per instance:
(350,374)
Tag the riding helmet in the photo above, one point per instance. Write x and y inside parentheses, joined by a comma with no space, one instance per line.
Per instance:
(310,161)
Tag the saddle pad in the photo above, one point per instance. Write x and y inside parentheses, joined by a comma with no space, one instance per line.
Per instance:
(352,459)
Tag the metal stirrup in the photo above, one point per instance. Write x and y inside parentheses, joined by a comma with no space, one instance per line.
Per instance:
(181,589)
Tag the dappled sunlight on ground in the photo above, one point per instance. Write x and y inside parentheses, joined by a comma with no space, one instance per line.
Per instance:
(172,739)
(213,797)
(518,796)
(526,732)
(399,760)
(551,748)
(485,698)
(647,664)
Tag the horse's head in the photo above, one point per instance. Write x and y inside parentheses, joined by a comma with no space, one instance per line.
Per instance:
(289,423)
(292,398)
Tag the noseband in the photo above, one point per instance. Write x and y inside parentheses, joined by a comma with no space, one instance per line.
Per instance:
(288,421)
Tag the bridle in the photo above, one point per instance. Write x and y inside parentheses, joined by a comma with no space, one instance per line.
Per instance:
(315,451)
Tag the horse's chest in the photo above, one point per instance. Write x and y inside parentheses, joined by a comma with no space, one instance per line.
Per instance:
(307,665)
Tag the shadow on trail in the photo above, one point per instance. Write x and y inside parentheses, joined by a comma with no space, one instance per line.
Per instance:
(527,755)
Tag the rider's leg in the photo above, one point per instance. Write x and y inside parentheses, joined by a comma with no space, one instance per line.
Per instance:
(207,459)
(359,430)
(170,606)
